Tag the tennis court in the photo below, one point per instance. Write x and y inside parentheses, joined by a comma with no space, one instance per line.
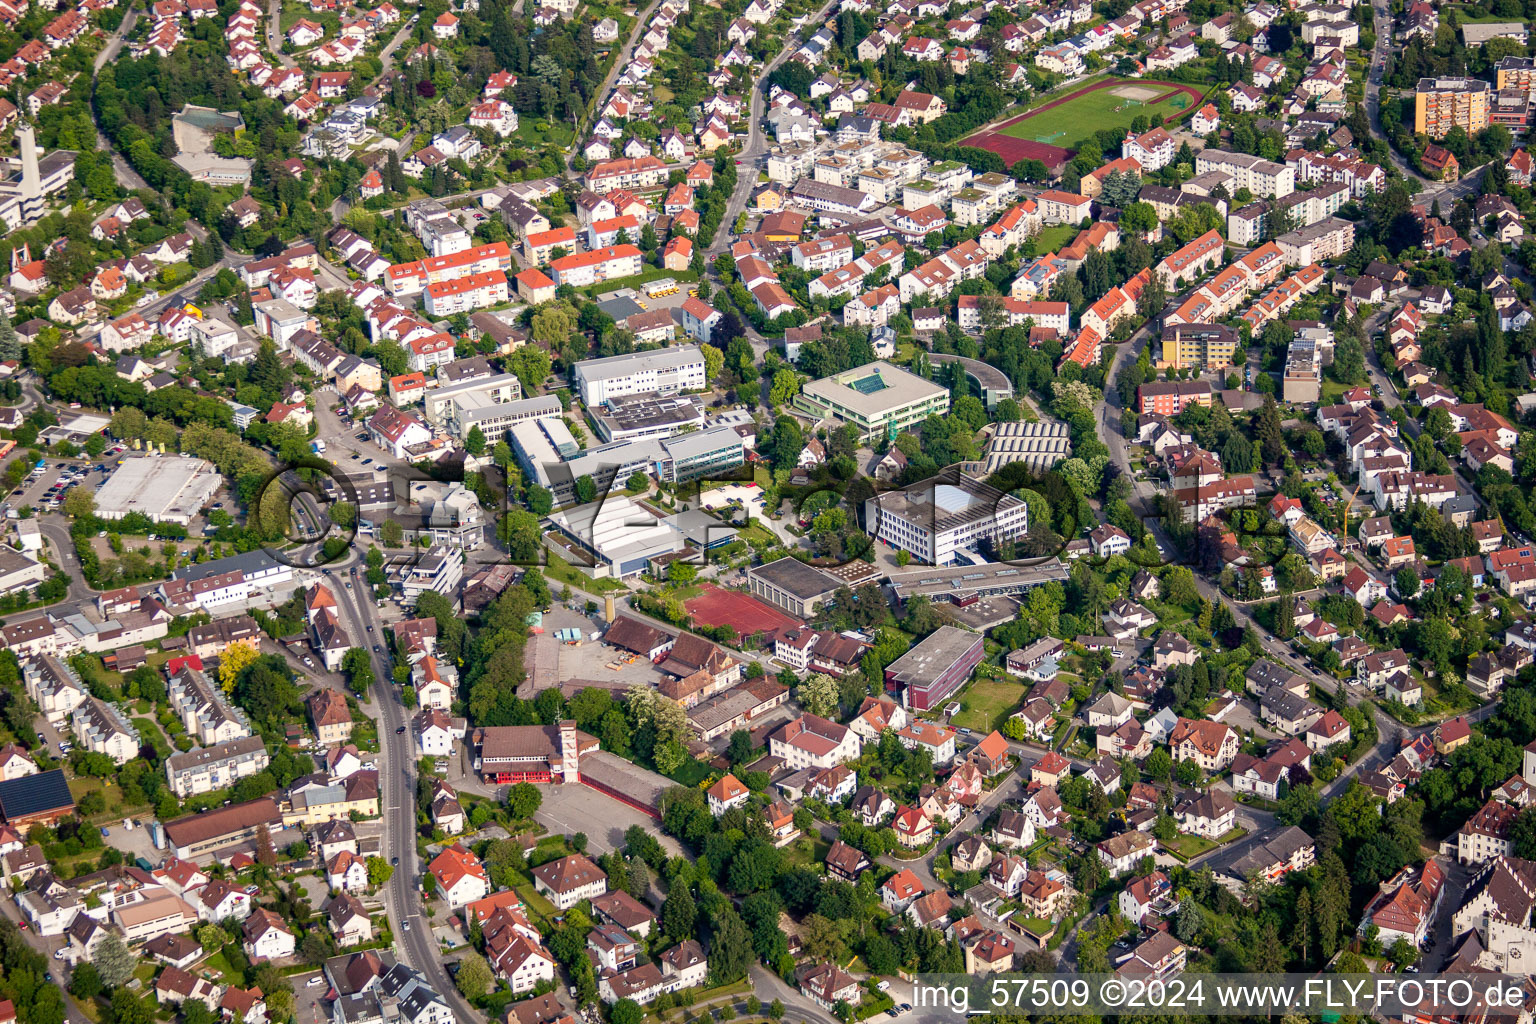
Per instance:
(742,612)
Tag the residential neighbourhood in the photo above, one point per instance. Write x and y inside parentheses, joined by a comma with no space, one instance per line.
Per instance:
(561,513)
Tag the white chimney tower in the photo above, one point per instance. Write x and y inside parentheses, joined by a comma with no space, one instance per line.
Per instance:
(31,177)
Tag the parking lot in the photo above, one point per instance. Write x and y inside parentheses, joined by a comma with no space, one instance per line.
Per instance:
(602,818)
(308,989)
(594,660)
(45,490)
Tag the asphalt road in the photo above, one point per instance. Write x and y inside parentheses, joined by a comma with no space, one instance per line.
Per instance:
(642,22)
(757,143)
(275,34)
(397,782)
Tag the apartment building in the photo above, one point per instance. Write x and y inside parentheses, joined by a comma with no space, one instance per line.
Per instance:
(102,729)
(205,714)
(466,294)
(1192,260)
(1169,398)
(1440,104)
(1326,240)
(1259,176)
(410,278)
(606,264)
(208,768)
(1198,346)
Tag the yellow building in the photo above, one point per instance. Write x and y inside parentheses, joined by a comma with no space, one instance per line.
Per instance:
(357,794)
(1516,73)
(1440,104)
(1200,346)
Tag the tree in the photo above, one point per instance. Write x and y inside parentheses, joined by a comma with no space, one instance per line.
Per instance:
(731,953)
(626,1011)
(86,982)
(740,749)
(379,871)
(714,361)
(523,800)
(1406,582)
(236,658)
(315,949)
(474,978)
(212,938)
(1267,431)
(540,501)
(10,347)
(391,533)
(819,694)
(80,503)
(821,938)
(358,669)
(343,514)
(114,963)
(1523,833)
(1348,360)
(474,441)
(679,914)
(127,1008)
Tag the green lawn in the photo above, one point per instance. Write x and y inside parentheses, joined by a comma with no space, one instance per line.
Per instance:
(800,854)
(1186,847)
(986,704)
(534,900)
(556,133)
(559,570)
(650,274)
(150,733)
(1054,237)
(1077,120)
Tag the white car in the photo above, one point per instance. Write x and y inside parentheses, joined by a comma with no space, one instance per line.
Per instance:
(312,982)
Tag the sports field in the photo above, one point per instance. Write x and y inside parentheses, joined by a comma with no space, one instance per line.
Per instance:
(1112,105)
(1054,128)
(742,612)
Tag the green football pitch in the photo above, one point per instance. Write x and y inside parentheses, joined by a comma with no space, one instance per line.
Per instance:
(1076,120)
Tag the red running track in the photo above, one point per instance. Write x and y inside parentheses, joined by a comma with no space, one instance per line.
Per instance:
(1012,150)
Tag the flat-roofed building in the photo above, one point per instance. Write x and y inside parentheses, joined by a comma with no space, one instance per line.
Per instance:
(630,417)
(965,584)
(615,537)
(941,519)
(1440,104)
(793,585)
(1041,445)
(664,370)
(935,668)
(494,404)
(164,489)
(879,398)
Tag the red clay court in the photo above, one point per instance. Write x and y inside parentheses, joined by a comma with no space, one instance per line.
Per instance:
(742,612)
(1013,149)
